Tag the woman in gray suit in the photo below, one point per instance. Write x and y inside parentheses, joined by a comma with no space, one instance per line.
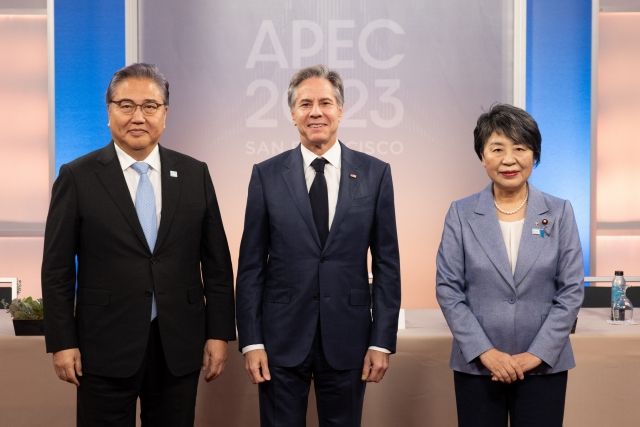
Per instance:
(510,284)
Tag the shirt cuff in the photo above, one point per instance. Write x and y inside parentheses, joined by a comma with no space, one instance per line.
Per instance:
(248,348)
(380,349)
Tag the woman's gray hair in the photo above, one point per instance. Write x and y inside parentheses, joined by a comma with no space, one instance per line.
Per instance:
(139,71)
(321,72)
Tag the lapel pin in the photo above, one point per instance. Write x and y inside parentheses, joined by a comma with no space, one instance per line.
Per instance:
(173,174)
(544,231)
(541,231)
(353,175)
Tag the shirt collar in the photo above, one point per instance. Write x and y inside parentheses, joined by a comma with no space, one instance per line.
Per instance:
(333,156)
(153,159)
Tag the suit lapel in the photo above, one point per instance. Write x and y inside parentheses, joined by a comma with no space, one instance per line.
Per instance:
(170,192)
(347,191)
(531,245)
(293,175)
(487,231)
(110,174)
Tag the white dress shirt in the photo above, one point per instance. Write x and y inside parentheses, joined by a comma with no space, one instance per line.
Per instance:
(332,175)
(511,233)
(132,177)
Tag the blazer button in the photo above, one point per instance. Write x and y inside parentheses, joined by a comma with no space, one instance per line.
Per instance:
(154,261)
(148,293)
(323,259)
(512,300)
(316,296)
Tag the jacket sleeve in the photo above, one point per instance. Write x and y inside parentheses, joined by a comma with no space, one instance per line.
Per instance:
(252,264)
(385,263)
(217,271)
(450,290)
(58,274)
(554,333)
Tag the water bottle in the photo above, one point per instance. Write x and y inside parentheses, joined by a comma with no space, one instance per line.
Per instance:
(623,309)
(616,291)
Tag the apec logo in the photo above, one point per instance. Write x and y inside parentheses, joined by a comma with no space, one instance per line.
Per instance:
(388,110)
(268,31)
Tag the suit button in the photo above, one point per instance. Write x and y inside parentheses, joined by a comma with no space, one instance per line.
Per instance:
(512,300)
(316,296)
(323,259)
(148,293)
(154,261)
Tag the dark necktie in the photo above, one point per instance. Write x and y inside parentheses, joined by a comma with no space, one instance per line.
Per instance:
(319,198)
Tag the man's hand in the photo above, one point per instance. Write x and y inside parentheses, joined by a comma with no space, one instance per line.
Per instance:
(67,365)
(215,355)
(503,367)
(376,364)
(256,365)
(527,361)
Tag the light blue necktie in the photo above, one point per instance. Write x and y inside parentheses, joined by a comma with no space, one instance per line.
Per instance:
(146,209)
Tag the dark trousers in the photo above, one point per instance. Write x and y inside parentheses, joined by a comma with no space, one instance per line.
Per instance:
(536,401)
(165,400)
(339,394)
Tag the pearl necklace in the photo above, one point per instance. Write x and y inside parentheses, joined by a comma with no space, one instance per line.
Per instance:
(526,197)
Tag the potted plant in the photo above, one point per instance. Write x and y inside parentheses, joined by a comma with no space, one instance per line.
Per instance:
(26,313)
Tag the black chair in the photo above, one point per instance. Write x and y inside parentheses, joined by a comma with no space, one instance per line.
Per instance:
(601,296)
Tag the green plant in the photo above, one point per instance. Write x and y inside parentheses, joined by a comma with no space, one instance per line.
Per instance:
(24,308)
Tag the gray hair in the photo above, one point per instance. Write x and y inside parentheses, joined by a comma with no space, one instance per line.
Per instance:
(139,71)
(321,72)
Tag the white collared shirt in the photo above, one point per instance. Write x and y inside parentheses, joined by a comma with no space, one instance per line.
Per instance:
(332,175)
(132,177)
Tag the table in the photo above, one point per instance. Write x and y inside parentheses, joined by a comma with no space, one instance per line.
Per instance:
(417,389)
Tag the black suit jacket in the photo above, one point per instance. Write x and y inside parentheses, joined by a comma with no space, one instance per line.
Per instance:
(92,216)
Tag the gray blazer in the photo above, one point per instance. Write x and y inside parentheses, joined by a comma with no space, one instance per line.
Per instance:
(486,306)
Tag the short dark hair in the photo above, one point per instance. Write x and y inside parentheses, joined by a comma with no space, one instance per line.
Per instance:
(512,122)
(321,72)
(139,71)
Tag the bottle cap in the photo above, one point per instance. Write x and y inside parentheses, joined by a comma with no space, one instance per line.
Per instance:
(619,273)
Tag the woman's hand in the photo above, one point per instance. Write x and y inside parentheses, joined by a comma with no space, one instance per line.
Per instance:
(503,367)
(527,361)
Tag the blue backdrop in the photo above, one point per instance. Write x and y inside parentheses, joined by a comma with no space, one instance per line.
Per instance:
(559,98)
(89,48)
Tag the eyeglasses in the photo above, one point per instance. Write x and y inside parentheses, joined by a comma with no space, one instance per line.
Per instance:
(128,107)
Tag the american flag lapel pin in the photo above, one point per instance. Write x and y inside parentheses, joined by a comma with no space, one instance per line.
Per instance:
(353,175)
(173,174)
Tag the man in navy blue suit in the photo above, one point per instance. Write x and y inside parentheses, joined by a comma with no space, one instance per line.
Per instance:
(304,305)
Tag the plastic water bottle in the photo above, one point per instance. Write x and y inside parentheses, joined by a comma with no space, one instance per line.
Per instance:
(623,309)
(616,291)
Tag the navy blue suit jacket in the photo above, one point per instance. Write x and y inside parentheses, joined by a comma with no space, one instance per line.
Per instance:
(282,265)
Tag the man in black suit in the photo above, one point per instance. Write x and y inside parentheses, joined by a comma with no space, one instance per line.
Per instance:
(303,299)
(154,278)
